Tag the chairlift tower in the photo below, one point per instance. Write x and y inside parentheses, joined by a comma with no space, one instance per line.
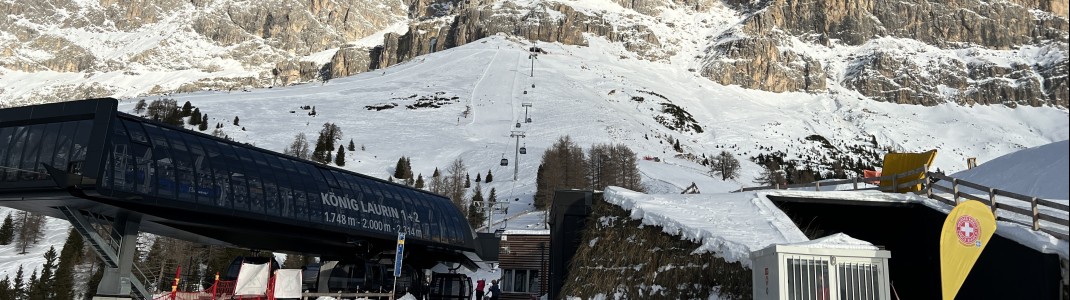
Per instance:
(526,105)
(533,55)
(516,158)
(488,206)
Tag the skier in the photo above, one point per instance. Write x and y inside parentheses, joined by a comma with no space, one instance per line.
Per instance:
(493,291)
(480,284)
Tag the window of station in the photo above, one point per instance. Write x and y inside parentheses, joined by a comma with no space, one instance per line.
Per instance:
(17,145)
(220,175)
(65,142)
(142,176)
(238,176)
(288,188)
(253,180)
(80,146)
(121,162)
(27,166)
(271,175)
(183,164)
(48,149)
(165,164)
(6,144)
(206,191)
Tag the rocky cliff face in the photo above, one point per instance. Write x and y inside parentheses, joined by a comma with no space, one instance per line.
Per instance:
(205,44)
(886,63)
(909,52)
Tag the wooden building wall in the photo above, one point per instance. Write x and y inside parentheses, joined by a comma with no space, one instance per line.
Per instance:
(521,251)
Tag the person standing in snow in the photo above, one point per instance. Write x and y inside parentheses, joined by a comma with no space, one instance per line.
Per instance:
(493,291)
(480,284)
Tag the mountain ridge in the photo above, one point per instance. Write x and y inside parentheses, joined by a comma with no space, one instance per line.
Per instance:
(912,52)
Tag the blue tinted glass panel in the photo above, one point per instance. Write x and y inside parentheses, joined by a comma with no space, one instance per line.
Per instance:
(6,143)
(32,146)
(143,168)
(183,164)
(14,154)
(237,176)
(117,153)
(137,134)
(252,179)
(48,146)
(272,179)
(64,141)
(166,183)
(217,165)
(81,144)
(205,189)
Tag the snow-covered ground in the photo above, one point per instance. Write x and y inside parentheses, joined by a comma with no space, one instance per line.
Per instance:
(587,93)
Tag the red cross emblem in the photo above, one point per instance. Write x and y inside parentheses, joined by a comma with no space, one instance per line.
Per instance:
(967,230)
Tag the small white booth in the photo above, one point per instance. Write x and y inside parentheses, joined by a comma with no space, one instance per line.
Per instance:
(836,267)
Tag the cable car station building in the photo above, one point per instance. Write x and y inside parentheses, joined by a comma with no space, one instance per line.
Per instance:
(88,163)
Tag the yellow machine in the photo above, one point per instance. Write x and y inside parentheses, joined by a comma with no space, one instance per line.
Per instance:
(899,163)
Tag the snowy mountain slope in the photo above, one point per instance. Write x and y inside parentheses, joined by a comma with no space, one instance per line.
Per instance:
(587,94)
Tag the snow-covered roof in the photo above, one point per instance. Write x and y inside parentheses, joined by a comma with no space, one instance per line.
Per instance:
(526,232)
(729,225)
(837,241)
(735,224)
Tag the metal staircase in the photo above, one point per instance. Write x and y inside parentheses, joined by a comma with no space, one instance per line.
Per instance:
(99,232)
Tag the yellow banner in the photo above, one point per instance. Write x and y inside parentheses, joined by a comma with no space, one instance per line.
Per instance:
(965,234)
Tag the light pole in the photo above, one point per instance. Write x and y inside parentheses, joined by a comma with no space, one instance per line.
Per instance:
(516,166)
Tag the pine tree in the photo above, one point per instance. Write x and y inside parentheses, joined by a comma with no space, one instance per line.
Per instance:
(475,213)
(438,184)
(467,181)
(7,230)
(340,159)
(419,181)
(195,117)
(18,287)
(94,280)
(236,121)
(5,288)
(31,288)
(490,177)
(202,126)
(43,288)
(399,168)
(493,197)
(352,147)
(187,109)
(68,258)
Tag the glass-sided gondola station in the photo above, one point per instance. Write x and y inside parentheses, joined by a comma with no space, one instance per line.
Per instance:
(84,161)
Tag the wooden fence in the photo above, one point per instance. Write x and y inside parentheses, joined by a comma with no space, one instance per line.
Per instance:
(1053,214)
(1039,209)
(894,178)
